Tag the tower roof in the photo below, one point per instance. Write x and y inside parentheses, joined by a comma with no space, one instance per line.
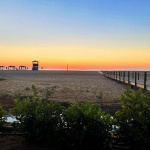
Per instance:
(35,61)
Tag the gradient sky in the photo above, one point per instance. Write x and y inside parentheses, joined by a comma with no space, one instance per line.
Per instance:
(85,34)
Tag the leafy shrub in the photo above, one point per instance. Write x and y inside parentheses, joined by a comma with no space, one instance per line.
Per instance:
(2,118)
(78,126)
(86,126)
(39,118)
(134,118)
(27,88)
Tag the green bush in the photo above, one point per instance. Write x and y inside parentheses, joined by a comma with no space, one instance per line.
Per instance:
(134,119)
(39,119)
(78,126)
(86,126)
(2,118)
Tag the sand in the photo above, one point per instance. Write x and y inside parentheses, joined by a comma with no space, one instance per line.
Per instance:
(65,87)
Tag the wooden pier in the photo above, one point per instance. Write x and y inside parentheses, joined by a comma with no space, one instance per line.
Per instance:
(139,79)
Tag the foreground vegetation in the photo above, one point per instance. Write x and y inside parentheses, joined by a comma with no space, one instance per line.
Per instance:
(84,126)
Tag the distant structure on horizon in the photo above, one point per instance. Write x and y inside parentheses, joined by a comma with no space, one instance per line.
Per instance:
(11,68)
(2,67)
(35,65)
(23,67)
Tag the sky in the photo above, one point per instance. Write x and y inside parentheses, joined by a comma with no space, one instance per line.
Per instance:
(85,34)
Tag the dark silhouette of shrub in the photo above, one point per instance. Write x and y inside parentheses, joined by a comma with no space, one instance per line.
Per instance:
(78,126)
(134,119)
(2,118)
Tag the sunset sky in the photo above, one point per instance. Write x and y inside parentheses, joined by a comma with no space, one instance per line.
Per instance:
(85,34)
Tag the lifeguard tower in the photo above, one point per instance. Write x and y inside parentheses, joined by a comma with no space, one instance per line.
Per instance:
(35,65)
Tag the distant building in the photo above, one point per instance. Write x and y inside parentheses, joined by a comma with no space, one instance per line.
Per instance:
(11,67)
(35,65)
(1,67)
(22,67)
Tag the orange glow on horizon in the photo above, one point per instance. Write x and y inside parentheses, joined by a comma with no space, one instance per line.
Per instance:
(78,58)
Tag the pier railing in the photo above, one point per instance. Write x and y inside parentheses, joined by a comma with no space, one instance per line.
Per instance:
(134,78)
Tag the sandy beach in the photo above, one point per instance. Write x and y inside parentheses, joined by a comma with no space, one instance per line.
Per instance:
(64,86)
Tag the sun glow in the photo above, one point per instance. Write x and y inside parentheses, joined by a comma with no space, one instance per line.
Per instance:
(80,58)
